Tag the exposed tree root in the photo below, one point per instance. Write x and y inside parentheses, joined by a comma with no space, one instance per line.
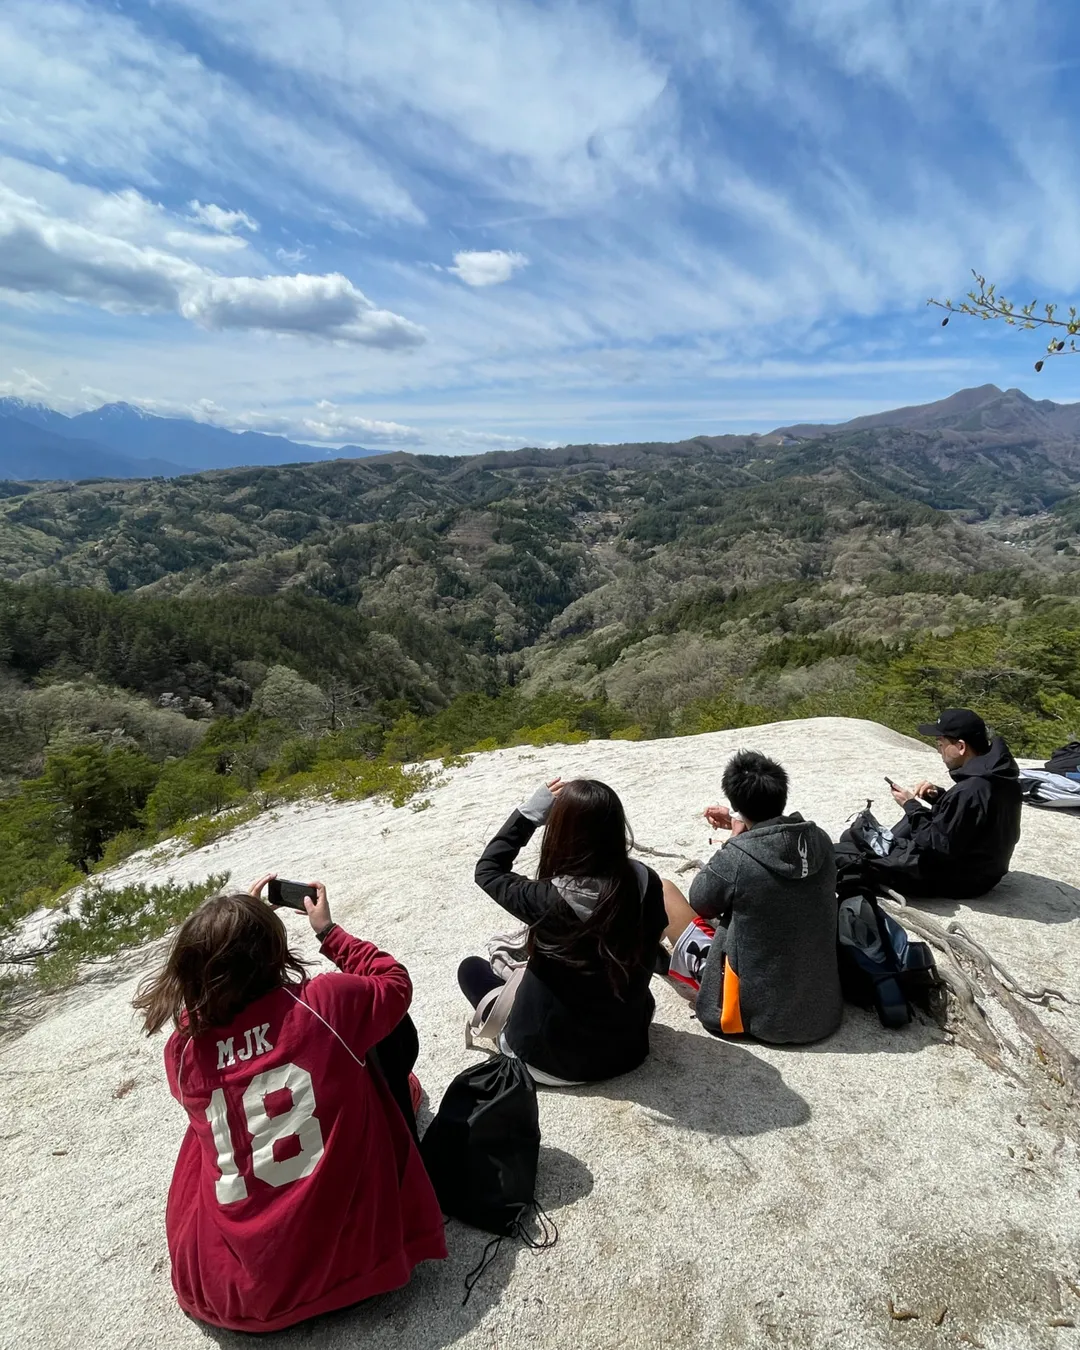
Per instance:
(973,975)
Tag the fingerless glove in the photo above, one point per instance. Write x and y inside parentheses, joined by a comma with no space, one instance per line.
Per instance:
(539,805)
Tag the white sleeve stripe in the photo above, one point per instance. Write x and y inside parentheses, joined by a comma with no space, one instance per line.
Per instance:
(325,1023)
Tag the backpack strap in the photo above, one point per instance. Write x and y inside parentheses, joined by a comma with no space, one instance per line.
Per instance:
(491,1014)
(888,951)
(892,1003)
(893,1008)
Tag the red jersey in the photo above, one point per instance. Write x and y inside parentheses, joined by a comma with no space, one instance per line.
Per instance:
(298,1188)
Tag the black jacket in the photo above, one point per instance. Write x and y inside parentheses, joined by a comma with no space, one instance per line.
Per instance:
(964,842)
(771,892)
(567,1021)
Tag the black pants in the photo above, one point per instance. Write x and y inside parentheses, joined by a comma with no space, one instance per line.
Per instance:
(901,870)
(476,978)
(395,1055)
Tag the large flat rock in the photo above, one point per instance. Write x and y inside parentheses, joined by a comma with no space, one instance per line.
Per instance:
(722,1195)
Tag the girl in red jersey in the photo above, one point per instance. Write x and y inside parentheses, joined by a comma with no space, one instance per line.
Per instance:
(299,1188)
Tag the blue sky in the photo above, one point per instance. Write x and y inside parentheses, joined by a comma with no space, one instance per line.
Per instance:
(451,225)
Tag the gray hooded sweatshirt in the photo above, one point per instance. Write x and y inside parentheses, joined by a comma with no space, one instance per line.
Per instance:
(771,891)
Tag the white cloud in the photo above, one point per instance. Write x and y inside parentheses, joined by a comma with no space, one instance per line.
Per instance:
(489,268)
(322,422)
(582,113)
(488,440)
(40,256)
(315,306)
(327,422)
(218,218)
(44,255)
(24,386)
(290,256)
(87,84)
(126,214)
(205,243)
(906,46)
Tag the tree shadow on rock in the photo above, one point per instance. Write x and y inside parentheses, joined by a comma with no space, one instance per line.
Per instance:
(1020,895)
(696,1082)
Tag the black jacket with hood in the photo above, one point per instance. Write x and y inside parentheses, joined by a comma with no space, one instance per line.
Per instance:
(568,1021)
(771,892)
(963,843)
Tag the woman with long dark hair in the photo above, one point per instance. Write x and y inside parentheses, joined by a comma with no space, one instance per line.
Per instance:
(594,916)
(299,1187)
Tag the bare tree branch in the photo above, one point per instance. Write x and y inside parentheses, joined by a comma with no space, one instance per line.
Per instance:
(986,303)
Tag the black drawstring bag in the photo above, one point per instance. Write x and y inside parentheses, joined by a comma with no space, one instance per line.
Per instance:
(482,1150)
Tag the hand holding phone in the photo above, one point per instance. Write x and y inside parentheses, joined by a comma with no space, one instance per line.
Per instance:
(291,894)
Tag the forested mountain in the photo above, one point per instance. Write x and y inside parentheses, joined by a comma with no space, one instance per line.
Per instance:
(173,647)
(975,416)
(505,551)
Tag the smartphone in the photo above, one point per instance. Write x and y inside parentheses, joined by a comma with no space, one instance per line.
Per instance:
(889,781)
(289,893)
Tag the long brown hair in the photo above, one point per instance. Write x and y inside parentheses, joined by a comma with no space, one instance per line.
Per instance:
(587,836)
(230,952)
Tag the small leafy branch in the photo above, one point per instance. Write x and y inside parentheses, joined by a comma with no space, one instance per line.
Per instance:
(986,303)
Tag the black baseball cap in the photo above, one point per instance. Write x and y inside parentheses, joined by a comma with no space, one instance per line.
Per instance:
(958,724)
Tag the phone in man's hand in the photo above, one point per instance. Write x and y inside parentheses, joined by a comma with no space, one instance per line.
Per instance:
(291,894)
(890,781)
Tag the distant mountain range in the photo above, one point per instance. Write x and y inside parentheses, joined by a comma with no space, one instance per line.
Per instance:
(120,441)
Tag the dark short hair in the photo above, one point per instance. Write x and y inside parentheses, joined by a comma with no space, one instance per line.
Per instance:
(755,785)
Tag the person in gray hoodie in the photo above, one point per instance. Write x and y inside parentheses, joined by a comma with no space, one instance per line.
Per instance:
(755,945)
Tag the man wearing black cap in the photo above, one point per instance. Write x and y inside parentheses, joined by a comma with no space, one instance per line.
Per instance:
(958,841)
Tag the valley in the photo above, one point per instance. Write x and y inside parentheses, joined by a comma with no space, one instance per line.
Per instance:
(217,641)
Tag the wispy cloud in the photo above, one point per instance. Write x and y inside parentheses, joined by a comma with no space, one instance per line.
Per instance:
(725,209)
(24,386)
(327,423)
(218,218)
(562,126)
(85,84)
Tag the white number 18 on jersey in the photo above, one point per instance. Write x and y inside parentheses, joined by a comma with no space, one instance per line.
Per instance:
(266,1131)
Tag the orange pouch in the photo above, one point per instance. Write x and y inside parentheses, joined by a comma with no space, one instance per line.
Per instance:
(731,1023)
